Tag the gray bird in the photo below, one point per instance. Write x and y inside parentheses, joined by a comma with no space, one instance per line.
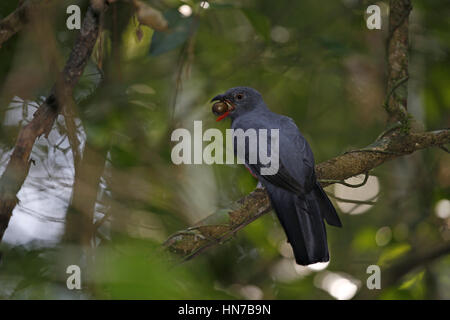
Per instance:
(295,194)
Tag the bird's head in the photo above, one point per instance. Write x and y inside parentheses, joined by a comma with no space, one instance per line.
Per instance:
(235,102)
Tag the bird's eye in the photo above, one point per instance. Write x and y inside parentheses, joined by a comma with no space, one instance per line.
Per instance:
(239,96)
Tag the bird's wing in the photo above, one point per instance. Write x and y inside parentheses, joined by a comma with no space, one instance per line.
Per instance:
(296,154)
(282,178)
(296,163)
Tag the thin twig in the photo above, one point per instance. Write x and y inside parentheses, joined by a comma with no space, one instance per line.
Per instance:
(393,153)
(352,200)
(330,181)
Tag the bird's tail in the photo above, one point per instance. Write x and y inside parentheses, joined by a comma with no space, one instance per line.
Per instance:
(326,208)
(303,221)
(310,246)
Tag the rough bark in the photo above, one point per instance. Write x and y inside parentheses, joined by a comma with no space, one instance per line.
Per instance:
(397,56)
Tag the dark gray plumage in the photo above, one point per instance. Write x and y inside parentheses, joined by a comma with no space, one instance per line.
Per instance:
(297,198)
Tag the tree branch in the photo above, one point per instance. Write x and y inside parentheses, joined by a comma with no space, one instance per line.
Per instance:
(15,21)
(79,228)
(18,166)
(397,58)
(207,233)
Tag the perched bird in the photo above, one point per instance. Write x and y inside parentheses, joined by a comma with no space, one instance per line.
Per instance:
(295,194)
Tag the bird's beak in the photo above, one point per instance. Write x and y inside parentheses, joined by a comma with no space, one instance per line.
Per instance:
(219,97)
(223,107)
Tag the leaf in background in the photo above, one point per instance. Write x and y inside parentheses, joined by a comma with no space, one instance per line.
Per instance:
(135,93)
(147,105)
(364,239)
(180,29)
(392,253)
(260,23)
(141,88)
(412,281)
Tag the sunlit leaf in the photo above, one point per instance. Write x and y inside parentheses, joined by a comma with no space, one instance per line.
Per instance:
(392,253)
(365,239)
(146,105)
(142,88)
(412,281)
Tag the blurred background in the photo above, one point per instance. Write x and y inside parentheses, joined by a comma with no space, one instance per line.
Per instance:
(314,61)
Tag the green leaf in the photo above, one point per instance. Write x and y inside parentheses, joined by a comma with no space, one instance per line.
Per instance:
(392,253)
(410,282)
(142,88)
(364,240)
(260,23)
(143,104)
(180,29)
